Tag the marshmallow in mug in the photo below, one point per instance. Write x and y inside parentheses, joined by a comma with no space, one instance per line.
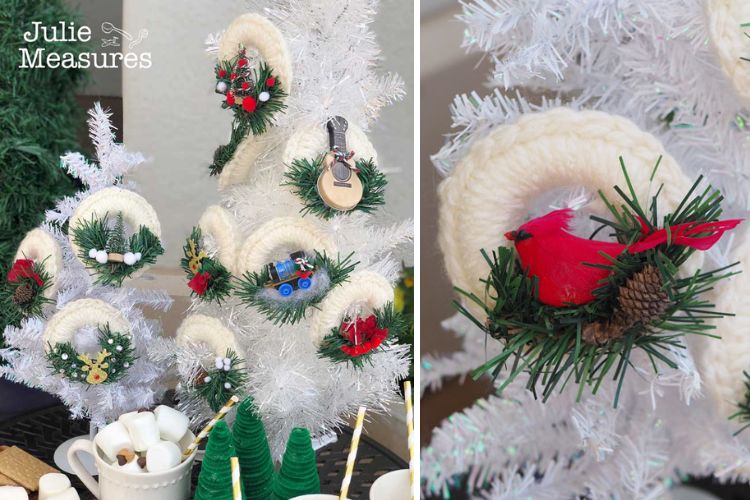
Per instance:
(143,430)
(163,456)
(173,424)
(113,438)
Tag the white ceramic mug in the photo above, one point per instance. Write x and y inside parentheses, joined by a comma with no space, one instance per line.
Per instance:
(391,486)
(115,484)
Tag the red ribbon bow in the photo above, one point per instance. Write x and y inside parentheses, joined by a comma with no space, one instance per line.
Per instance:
(363,335)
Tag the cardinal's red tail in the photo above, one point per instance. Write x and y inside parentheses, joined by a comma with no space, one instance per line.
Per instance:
(686,234)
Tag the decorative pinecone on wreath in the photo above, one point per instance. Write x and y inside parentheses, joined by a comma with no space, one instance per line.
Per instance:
(640,300)
(23,294)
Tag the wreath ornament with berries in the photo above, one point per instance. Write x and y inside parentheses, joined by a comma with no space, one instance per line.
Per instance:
(255,94)
(208,278)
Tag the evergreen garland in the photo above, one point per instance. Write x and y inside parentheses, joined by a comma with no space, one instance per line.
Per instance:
(220,383)
(112,361)
(547,342)
(251,284)
(302,176)
(97,234)
(35,131)
(253,119)
(214,286)
(743,408)
(33,301)
(368,341)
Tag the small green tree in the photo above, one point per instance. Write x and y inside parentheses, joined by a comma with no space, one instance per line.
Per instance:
(215,480)
(251,443)
(299,472)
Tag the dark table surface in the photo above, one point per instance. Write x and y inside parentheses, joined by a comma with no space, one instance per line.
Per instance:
(40,432)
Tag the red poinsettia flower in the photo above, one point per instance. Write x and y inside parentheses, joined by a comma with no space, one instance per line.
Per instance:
(270,82)
(24,268)
(199,283)
(363,336)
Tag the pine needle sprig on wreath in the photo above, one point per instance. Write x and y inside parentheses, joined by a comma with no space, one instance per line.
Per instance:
(302,176)
(24,298)
(548,342)
(743,408)
(250,286)
(218,384)
(218,285)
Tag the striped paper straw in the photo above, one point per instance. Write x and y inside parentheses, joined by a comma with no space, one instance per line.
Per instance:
(200,437)
(352,453)
(236,490)
(410,434)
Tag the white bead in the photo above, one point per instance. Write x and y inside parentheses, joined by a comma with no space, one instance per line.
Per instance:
(126,364)
(138,256)
(227,368)
(227,385)
(92,253)
(64,357)
(264,96)
(118,348)
(221,87)
(219,363)
(207,379)
(129,258)
(110,341)
(101,257)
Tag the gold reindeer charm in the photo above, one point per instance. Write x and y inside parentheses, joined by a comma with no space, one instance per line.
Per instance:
(195,258)
(96,375)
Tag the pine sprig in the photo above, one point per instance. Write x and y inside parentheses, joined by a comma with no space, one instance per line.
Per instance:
(385,318)
(116,352)
(546,341)
(196,260)
(246,122)
(302,176)
(96,233)
(217,385)
(35,306)
(251,284)
(742,415)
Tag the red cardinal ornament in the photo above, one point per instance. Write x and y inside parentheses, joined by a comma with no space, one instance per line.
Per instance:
(556,258)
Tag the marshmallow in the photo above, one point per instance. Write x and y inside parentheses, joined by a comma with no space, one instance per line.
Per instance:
(125,417)
(52,484)
(173,424)
(13,493)
(132,467)
(186,441)
(69,494)
(143,430)
(162,456)
(113,438)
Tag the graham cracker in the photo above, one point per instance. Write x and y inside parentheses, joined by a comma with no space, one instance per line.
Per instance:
(6,481)
(23,468)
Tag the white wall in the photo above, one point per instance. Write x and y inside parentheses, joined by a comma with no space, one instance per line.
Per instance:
(171,111)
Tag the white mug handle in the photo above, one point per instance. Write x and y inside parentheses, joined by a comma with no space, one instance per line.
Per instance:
(86,446)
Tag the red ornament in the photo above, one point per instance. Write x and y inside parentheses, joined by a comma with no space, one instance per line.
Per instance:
(230,99)
(199,283)
(363,336)
(24,268)
(233,76)
(222,73)
(249,104)
(270,82)
(558,259)
(245,85)
(241,63)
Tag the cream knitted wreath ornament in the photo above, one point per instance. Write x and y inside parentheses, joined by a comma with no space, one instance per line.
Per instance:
(116,352)
(725,20)
(40,246)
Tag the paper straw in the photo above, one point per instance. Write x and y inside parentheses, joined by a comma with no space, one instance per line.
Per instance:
(410,434)
(224,410)
(352,453)
(236,490)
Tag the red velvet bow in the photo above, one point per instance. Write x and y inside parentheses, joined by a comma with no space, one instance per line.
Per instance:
(199,283)
(24,268)
(363,336)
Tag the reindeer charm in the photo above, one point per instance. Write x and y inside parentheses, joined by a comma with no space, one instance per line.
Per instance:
(96,369)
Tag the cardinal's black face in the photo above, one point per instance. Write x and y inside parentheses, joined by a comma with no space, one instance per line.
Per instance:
(519,235)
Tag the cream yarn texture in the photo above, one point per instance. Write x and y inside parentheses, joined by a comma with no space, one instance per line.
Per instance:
(311,140)
(63,326)
(199,328)
(490,189)
(219,226)
(136,212)
(243,162)
(364,287)
(730,41)
(39,246)
(290,233)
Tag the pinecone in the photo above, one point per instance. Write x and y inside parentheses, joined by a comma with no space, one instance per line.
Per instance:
(640,300)
(23,294)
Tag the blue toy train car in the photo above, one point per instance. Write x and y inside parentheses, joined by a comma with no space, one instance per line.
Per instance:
(289,275)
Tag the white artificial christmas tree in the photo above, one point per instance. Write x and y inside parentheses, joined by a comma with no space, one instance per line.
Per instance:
(675,70)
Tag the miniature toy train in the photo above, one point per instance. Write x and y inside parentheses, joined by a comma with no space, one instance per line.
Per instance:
(292,274)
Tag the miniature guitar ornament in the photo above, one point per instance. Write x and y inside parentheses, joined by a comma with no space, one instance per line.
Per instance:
(339,185)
